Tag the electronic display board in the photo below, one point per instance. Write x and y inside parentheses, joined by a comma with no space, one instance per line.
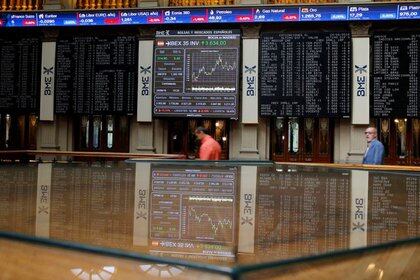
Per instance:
(396,74)
(20,63)
(88,203)
(196,73)
(193,210)
(96,74)
(295,13)
(393,208)
(306,210)
(305,74)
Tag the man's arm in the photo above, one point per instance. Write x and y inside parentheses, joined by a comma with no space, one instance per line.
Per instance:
(205,152)
(378,153)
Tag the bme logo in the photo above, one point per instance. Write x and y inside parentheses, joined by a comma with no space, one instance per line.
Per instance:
(48,79)
(145,80)
(361,79)
(250,80)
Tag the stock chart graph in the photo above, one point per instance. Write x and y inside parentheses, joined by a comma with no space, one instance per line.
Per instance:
(208,221)
(193,211)
(211,70)
(196,73)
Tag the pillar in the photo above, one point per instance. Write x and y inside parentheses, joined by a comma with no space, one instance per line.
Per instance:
(143,128)
(350,142)
(247,142)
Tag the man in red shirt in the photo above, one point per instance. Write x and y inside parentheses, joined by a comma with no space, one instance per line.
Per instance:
(209,149)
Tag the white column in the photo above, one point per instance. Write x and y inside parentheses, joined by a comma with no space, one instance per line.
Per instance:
(359,208)
(142,130)
(48,128)
(349,139)
(246,135)
(47,81)
(247,209)
(141,204)
(360,90)
(43,200)
(249,112)
(144,87)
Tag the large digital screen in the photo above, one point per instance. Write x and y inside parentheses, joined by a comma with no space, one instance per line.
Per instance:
(20,67)
(96,74)
(192,211)
(336,12)
(196,73)
(396,74)
(305,74)
(302,212)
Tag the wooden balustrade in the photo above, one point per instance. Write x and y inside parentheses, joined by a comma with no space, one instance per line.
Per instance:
(301,1)
(21,5)
(39,154)
(105,4)
(200,2)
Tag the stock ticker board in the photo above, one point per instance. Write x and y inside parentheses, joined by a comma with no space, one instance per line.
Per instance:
(96,74)
(196,73)
(297,13)
(396,74)
(305,74)
(20,65)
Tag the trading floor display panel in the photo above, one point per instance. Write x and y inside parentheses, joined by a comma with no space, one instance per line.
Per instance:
(305,74)
(18,194)
(96,74)
(394,208)
(87,203)
(196,73)
(302,211)
(20,65)
(396,74)
(193,211)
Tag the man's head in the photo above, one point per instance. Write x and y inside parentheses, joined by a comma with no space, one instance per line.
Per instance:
(200,132)
(371,133)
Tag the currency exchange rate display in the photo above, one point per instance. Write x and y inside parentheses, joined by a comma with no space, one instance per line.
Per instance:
(296,13)
(396,74)
(305,74)
(196,73)
(20,65)
(96,74)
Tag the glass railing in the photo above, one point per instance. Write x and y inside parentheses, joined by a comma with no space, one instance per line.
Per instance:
(186,219)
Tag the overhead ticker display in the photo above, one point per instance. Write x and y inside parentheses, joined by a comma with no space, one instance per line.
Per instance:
(20,65)
(196,73)
(338,12)
(305,74)
(96,74)
(396,74)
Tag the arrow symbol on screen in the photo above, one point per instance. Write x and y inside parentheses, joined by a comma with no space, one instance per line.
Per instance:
(145,70)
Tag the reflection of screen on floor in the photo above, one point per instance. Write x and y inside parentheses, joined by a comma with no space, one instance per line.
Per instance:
(192,211)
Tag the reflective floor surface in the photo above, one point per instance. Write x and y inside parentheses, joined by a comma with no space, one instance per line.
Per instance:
(206,220)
